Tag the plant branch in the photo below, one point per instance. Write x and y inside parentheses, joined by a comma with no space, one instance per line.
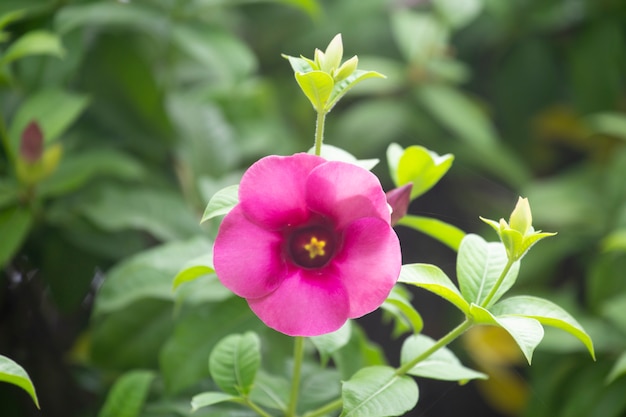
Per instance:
(319,131)
(298,355)
(332,406)
(495,288)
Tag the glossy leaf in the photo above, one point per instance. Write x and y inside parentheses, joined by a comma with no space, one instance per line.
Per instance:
(235,361)
(37,42)
(447,234)
(479,267)
(317,86)
(433,279)
(15,224)
(209,398)
(196,268)
(442,364)
(329,343)
(546,312)
(128,395)
(421,167)
(221,203)
(377,391)
(406,316)
(13,373)
(527,332)
(342,87)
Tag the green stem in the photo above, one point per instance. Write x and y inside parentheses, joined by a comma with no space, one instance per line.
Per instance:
(319,132)
(332,406)
(298,355)
(447,339)
(256,408)
(495,288)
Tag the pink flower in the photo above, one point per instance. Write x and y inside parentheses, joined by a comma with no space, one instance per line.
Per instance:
(309,245)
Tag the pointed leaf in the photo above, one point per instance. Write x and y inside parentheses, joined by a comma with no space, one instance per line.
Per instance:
(479,266)
(196,268)
(302,65)
(37,42)
(527,332)
(433,279)
(377,391)
(221,203)
(128,395)
(329,343)
(546,312)
(447,234)
(403,310)
(317,86)
(14,374)
(235,361)
(342,87)
(423,168)
(209,398)
(618,370)
(442,364)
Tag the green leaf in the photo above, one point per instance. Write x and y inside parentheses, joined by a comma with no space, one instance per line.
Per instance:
(458,113)
(527,332)
(301,65)
(36,42)
(147,275)
(407,317)
(128,395)
(329,343)
(15,224)
(458,13)
(184,357)
(221,203)
(333,153)
(615,241)
(618,370)
(613,124)
(342,87)
(235,361)
(9,192)
(161,212)
(421,167)
(442,364)
(420,37)
(270,391)
(317,86)
(14,374)
(394,153)
(76,170)
(377,391)
(546,312)
(447,234)
(53,109)
(196,268)
(210,398)
(433,279)
(479,266)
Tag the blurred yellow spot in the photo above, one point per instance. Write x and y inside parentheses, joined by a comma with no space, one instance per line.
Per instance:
(315,248)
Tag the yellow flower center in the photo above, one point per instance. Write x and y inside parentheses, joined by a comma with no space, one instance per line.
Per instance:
(315,247)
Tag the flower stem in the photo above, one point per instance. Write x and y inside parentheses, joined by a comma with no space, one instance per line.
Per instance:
(319,132)
(495,288)
(256,408)
(332,406)
(298,355)
(447,339)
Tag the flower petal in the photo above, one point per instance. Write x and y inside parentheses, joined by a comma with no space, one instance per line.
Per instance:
(247,258)
(307,303)
(272,189)
(369,262)
(345,192)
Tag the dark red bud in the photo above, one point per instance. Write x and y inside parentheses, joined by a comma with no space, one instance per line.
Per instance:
(31,145)
(399,200)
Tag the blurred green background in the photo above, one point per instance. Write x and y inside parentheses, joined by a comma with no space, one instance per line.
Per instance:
(120,119)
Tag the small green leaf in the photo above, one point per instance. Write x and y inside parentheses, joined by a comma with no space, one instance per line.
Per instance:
(342,87)
(433,279)
(270,391)
(37,42)
(234,362)
(14,374)
(479,266)
(317,86)
(527,332)
(407,317)
(128,395)
(447,234)
(546,312)
(329,343)
(618,370)
(15,224)
(442,364)
(613,124)
(221,203)
(302,65)
(333,153)
(377,391)
(615,241)
(196,268)
(421,167)
(394,153)
(209,398)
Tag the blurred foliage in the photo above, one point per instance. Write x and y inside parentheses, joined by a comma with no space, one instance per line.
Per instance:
(120,119)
